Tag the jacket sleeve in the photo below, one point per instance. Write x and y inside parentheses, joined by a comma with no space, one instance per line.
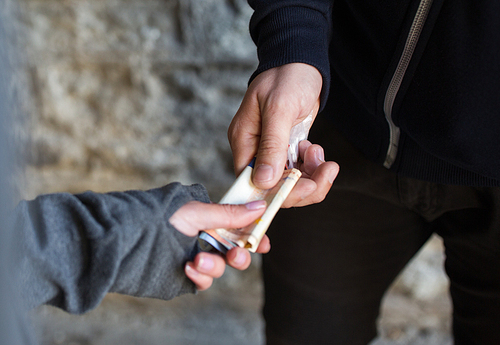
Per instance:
(77,248)
(287,31)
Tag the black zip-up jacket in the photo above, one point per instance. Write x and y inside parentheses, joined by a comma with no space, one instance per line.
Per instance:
(414,84)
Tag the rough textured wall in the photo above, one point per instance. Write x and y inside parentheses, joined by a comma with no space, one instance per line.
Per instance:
(142,90)
(139,93)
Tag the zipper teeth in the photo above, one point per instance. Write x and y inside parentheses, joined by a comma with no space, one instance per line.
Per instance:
(397,78)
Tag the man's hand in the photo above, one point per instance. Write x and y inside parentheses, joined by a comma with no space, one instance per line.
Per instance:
(196,216)
(275,101)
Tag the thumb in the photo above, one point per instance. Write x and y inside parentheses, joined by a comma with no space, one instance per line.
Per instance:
(271,155)
(195,216)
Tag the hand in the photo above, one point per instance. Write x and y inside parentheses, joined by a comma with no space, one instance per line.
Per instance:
(317,176)
(275,101)
(195,216)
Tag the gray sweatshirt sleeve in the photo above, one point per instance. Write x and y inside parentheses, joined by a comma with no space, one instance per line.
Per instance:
(77,248)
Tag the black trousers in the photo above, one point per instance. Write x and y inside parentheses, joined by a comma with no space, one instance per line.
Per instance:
(331,263)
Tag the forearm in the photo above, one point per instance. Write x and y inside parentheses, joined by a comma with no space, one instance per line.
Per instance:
(292,31)
(77,248)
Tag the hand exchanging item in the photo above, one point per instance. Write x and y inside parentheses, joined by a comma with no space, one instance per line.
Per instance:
(196,216)
(277,100)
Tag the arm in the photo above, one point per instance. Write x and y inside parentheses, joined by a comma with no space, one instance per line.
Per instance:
(77,248)
(292,31)
(290,83)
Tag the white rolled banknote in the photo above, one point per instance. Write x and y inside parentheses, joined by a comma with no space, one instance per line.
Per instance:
(241,192)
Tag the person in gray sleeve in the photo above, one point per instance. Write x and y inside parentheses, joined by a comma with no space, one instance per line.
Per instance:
(73,249)
(70,250)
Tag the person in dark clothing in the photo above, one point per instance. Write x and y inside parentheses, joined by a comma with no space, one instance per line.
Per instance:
(409,99)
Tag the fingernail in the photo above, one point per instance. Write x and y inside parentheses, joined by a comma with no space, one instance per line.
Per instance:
(331,176)
(240,258)
(263,173)
(320,156)
(206,263)
(256,205)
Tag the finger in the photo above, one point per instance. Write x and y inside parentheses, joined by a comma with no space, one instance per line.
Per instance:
(323,177)
(273,145)
(304,188)
(313,189)
(195,216)
(303,145)
(274,141)
(313,157)
(208,264)
(238,258)
(201,281)
(244,132)
(264,245)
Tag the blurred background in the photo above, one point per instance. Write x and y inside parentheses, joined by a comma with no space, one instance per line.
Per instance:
(135,94)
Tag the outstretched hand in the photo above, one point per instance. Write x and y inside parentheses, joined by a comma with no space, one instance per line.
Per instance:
(277,100)
(196,216)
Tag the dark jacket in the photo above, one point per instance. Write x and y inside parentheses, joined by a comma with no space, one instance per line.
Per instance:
(444,117)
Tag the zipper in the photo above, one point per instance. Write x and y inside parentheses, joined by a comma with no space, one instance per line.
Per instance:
(397,78)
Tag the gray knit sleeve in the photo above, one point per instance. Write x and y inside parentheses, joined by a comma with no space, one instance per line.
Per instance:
(77,248)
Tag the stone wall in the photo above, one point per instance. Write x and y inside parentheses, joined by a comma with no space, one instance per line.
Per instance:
(131,94)
(141,90)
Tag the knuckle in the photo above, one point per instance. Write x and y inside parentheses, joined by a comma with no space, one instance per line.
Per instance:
(230,212)
(277,106)
(233,130)
(272,143)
